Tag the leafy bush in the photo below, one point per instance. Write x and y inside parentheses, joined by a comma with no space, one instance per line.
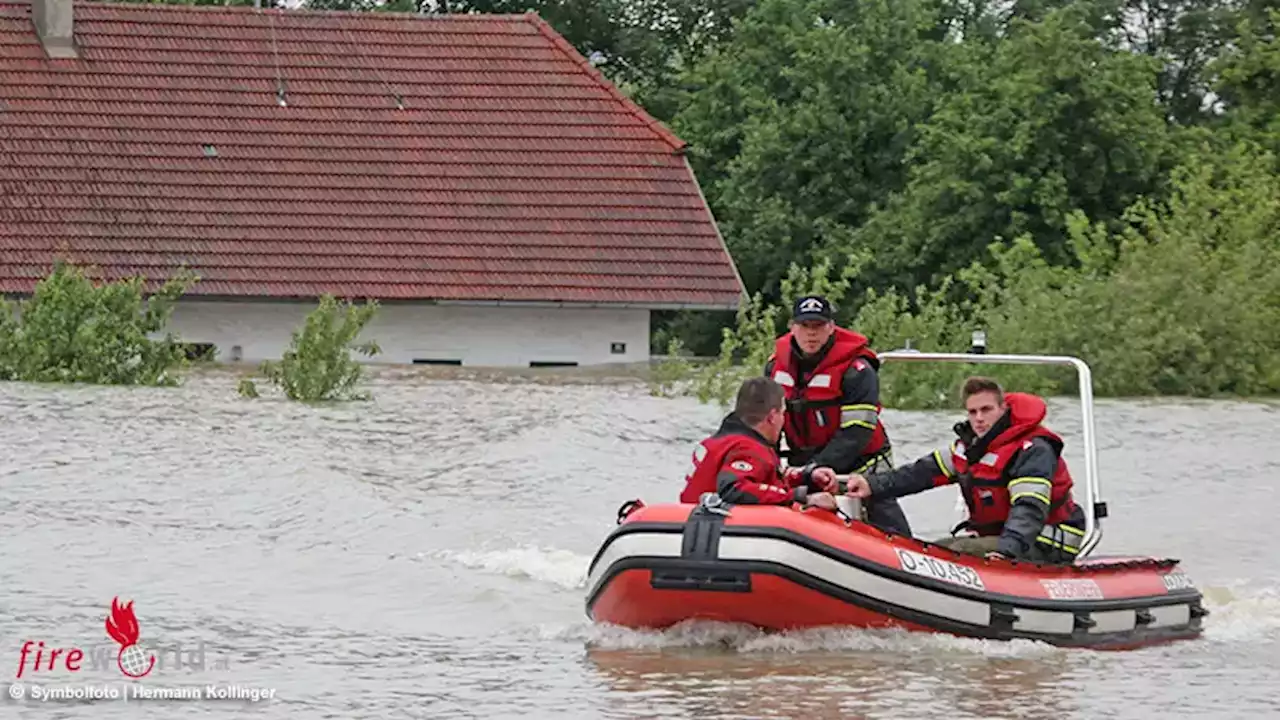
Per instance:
(1184,300)
(318,365)
(74,331)
(667,375)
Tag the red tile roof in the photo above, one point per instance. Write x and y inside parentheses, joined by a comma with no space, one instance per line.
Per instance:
(513,172)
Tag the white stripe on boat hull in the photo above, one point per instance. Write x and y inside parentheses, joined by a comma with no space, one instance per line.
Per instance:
(886,590)
(851,578)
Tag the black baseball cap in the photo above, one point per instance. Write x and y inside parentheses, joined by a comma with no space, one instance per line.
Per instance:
(812,307)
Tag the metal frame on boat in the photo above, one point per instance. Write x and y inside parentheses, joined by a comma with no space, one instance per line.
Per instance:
(1093,507)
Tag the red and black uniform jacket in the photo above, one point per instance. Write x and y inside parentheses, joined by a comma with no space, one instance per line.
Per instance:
(833,402)
(1013,478)
(743,468)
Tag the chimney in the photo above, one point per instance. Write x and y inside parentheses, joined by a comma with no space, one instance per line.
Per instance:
(54,21)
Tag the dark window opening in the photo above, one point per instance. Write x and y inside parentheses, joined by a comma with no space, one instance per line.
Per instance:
(618,348)
(550,363)
(431,361)
(200,352)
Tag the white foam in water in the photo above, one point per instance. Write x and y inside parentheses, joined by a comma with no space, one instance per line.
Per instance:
(748,640)
(558,567)
(1241,613)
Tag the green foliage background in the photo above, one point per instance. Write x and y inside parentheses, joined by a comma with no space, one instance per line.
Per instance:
(1096,179)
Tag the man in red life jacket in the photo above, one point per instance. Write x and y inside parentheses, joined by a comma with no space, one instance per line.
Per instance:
(740,461)
(1012,476)
(833,402)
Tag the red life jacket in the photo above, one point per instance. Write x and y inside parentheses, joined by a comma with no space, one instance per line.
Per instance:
(814,400)
(983,484)
(709,456)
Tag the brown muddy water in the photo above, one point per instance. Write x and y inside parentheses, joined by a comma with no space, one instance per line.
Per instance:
(422,555)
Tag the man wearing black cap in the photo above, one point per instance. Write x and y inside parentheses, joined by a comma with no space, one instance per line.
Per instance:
(833,402)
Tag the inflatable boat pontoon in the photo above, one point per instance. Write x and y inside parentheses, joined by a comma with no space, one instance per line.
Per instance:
(783,568)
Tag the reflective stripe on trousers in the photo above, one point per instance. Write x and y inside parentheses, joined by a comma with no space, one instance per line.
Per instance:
(1063,538)
(882,462)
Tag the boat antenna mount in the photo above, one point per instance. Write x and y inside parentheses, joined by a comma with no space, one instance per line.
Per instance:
(978,346)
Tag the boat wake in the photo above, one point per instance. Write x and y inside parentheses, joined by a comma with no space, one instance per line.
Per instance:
(1241,612)
(744,639)
(562,568)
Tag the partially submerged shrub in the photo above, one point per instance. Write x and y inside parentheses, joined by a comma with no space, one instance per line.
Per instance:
(74,331)
(318,365)
(667,375)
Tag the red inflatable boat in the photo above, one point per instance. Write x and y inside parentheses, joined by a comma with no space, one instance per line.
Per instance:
(782,568)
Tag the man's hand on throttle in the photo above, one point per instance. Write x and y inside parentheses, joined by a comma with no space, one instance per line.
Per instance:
(858,487)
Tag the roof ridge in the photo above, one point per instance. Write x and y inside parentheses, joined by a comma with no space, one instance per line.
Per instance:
(567,48)
(249,9)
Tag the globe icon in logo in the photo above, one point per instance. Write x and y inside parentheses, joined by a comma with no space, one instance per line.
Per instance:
(134,662)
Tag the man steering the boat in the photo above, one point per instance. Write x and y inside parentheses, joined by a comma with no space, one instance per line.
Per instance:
(1011,474)
(833,402)
(740,461)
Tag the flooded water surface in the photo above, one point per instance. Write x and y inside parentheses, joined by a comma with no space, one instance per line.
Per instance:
(422,555)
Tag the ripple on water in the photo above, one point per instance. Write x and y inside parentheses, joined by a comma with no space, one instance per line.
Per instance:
(424,554)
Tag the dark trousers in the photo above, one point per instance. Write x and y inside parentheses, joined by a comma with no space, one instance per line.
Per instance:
(970,545)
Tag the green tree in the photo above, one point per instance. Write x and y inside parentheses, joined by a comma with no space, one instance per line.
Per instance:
(1249,77)
(1182,300)
(1053,123)
(800,123)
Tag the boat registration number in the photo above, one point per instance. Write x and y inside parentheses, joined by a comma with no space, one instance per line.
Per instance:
(1176,580)
(944,570)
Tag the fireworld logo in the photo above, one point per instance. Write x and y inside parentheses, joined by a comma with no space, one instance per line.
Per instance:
(122,626)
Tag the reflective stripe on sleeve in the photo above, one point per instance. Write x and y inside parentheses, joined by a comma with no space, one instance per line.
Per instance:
(946,465)
(1038,488)
(860,415)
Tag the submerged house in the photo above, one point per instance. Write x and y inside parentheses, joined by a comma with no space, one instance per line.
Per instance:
(504,203)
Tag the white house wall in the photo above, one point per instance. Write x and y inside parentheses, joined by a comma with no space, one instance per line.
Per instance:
(503,336)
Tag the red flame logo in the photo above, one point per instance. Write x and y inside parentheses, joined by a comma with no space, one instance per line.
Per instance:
(122,626)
